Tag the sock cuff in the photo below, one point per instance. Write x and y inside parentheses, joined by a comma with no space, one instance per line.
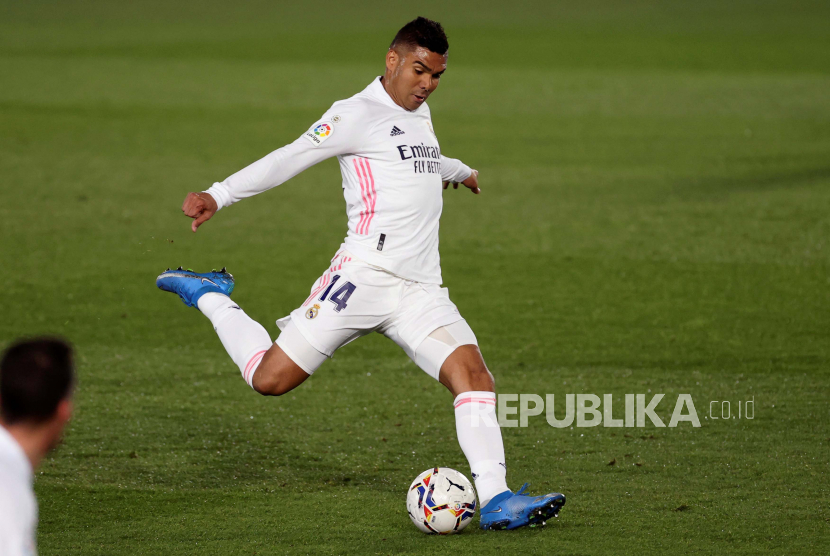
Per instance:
(251,364)
(488,398)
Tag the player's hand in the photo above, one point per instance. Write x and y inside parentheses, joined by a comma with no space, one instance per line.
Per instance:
(199,206)
(471,182)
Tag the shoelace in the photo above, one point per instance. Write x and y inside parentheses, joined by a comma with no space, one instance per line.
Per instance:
(521,491)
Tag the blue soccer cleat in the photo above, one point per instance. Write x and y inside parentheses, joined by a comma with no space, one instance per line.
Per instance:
(510,510)
(192,285)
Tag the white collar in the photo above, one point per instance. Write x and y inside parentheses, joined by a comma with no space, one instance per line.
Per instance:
(378,92)
(12,453)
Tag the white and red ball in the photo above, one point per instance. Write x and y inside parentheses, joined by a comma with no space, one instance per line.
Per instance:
(441,501)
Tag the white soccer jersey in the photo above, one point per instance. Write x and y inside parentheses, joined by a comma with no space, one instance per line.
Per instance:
(18,506)
(392,170)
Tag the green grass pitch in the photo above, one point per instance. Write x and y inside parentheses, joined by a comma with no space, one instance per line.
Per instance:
(655,218)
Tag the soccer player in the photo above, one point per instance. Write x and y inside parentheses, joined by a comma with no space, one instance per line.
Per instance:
(386,276)
(35,388)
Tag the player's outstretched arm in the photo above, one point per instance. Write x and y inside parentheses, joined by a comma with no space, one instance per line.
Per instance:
(342,130)
(471,182)
(199,206)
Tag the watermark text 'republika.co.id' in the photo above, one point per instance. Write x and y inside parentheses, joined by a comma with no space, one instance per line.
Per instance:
(630,410)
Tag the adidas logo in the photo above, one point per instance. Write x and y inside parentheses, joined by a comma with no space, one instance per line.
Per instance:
(395,131)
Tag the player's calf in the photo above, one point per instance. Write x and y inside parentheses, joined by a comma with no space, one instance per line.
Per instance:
(454,350)
(270,369)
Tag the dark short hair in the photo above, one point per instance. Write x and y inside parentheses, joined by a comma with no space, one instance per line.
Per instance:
(422,32)
(35,376)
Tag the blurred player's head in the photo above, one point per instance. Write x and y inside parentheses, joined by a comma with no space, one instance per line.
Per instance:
(415,61)
(36,380)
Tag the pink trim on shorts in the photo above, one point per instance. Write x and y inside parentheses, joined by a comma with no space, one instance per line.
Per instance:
(323,281)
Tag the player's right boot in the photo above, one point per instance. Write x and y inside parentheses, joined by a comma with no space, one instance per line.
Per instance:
(190,286)
(510,510)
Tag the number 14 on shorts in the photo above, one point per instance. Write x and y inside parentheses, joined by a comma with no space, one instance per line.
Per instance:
(341,295)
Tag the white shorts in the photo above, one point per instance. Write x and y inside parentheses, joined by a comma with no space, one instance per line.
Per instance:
(353,298)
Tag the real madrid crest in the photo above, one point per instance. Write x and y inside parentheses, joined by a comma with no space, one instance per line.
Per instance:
(311,313)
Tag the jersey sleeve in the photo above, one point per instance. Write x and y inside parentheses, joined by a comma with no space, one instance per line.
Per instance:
(341,130)
(454,170)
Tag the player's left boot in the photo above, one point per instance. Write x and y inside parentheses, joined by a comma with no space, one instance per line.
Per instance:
(510,510)
(190,286)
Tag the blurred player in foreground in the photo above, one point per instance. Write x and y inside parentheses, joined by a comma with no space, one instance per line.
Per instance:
(35,388)
(386,276)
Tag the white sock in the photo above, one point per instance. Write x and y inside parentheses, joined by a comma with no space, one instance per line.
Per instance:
(480,438)
(245,340)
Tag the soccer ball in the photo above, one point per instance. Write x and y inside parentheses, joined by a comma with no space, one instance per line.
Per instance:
(441,501)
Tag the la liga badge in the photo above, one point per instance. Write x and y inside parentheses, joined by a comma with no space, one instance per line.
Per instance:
(319,133)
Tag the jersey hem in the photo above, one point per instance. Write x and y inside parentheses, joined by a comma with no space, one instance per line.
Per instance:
(367,256)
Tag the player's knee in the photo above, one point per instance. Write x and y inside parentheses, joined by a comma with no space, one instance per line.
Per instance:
(466,371)
(480,378)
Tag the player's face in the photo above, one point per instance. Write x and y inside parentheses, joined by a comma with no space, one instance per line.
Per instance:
(413,75)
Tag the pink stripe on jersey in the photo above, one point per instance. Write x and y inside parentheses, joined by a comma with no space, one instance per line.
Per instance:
(252,364)
(367,171)
(364,195)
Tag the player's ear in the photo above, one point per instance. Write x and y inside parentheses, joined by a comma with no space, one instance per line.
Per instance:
(392,59)
(64,410)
